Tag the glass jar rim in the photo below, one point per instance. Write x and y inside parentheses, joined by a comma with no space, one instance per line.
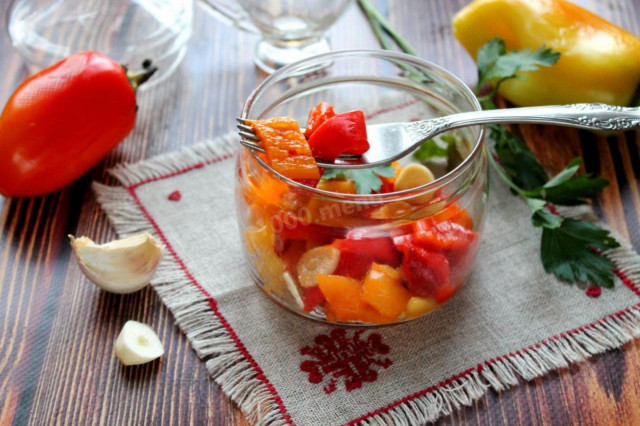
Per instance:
(313,63)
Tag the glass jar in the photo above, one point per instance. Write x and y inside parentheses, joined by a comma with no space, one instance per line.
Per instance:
(46,31)
(365,259)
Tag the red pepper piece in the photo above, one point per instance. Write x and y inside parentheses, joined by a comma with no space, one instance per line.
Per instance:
(445,292)
(306,182)
(321,113)
(312,297)
(387,184)
(403,242)
(296,230)
(446,235)
(427,272)
(344,133)
(357,255)
(353,265)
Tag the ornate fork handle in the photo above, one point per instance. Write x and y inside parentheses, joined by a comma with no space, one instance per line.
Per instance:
(585,116)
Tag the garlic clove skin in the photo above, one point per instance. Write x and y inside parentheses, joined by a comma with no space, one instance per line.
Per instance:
(120,266)
(137,344)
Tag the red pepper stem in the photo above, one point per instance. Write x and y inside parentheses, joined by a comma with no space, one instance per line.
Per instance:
(140,78)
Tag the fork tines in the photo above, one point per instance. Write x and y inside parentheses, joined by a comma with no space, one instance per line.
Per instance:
(248,136)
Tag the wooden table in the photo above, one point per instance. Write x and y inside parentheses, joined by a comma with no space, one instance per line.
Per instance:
(57,329)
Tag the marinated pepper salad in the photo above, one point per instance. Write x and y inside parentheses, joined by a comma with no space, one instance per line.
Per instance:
(345,261)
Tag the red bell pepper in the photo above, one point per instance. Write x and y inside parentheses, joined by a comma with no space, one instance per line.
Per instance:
(61,121)
(446,235)
(321,113)
(426,271)
(312,297)
(344,133)
(357,255)
(298,230)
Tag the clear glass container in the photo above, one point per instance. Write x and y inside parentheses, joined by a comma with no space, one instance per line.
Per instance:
(129,31)
(364,259)
(289,30)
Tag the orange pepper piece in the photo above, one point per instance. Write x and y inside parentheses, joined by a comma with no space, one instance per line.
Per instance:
(342,186)
(286,147)
(343,301)
(382,288)
(455,214)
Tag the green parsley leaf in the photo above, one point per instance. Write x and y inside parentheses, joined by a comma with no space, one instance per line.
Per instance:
(334,174)
(517,160)
(567,251)
(487,57)
(429,150)
(566,190)
(542,218)
(495,63)
(366,180)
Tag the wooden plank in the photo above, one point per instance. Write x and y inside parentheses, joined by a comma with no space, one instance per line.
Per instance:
(57,330)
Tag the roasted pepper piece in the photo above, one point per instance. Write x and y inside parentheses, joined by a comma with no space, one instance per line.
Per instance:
(600,62)
(321,113)
(344,301)
(344,133)
(286,147)
(382,288)
(357,255)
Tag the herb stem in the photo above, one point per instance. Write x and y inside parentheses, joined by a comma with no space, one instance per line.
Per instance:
(504,176)
(383,27)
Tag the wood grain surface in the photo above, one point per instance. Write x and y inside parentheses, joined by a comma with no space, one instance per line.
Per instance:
(57,330)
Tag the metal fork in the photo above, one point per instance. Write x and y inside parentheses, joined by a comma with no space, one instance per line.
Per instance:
(391,141)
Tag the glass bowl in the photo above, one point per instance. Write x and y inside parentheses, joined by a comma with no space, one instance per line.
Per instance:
(366,259)
(46,31)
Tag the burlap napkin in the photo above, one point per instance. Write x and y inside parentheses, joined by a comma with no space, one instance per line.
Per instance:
(511,320)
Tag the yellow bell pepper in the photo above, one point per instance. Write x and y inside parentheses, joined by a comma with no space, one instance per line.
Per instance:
(600,61)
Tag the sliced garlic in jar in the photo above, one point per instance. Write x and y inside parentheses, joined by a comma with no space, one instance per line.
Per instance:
(120,266)
(318,260)
(412,176)
(137,344)
(293,290)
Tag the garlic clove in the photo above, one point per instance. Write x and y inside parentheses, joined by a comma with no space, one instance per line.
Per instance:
(137,343)
(120,266)
(413,176)
(318,260)
(293,290)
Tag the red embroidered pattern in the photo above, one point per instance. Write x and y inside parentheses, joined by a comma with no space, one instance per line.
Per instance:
(175,195)
(340,356)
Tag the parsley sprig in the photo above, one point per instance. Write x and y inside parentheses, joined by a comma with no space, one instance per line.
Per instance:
(366,181)
(496,65)
(569,247)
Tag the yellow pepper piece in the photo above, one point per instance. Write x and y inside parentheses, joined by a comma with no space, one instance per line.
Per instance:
(269,266)
(600,61)
(418,306)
